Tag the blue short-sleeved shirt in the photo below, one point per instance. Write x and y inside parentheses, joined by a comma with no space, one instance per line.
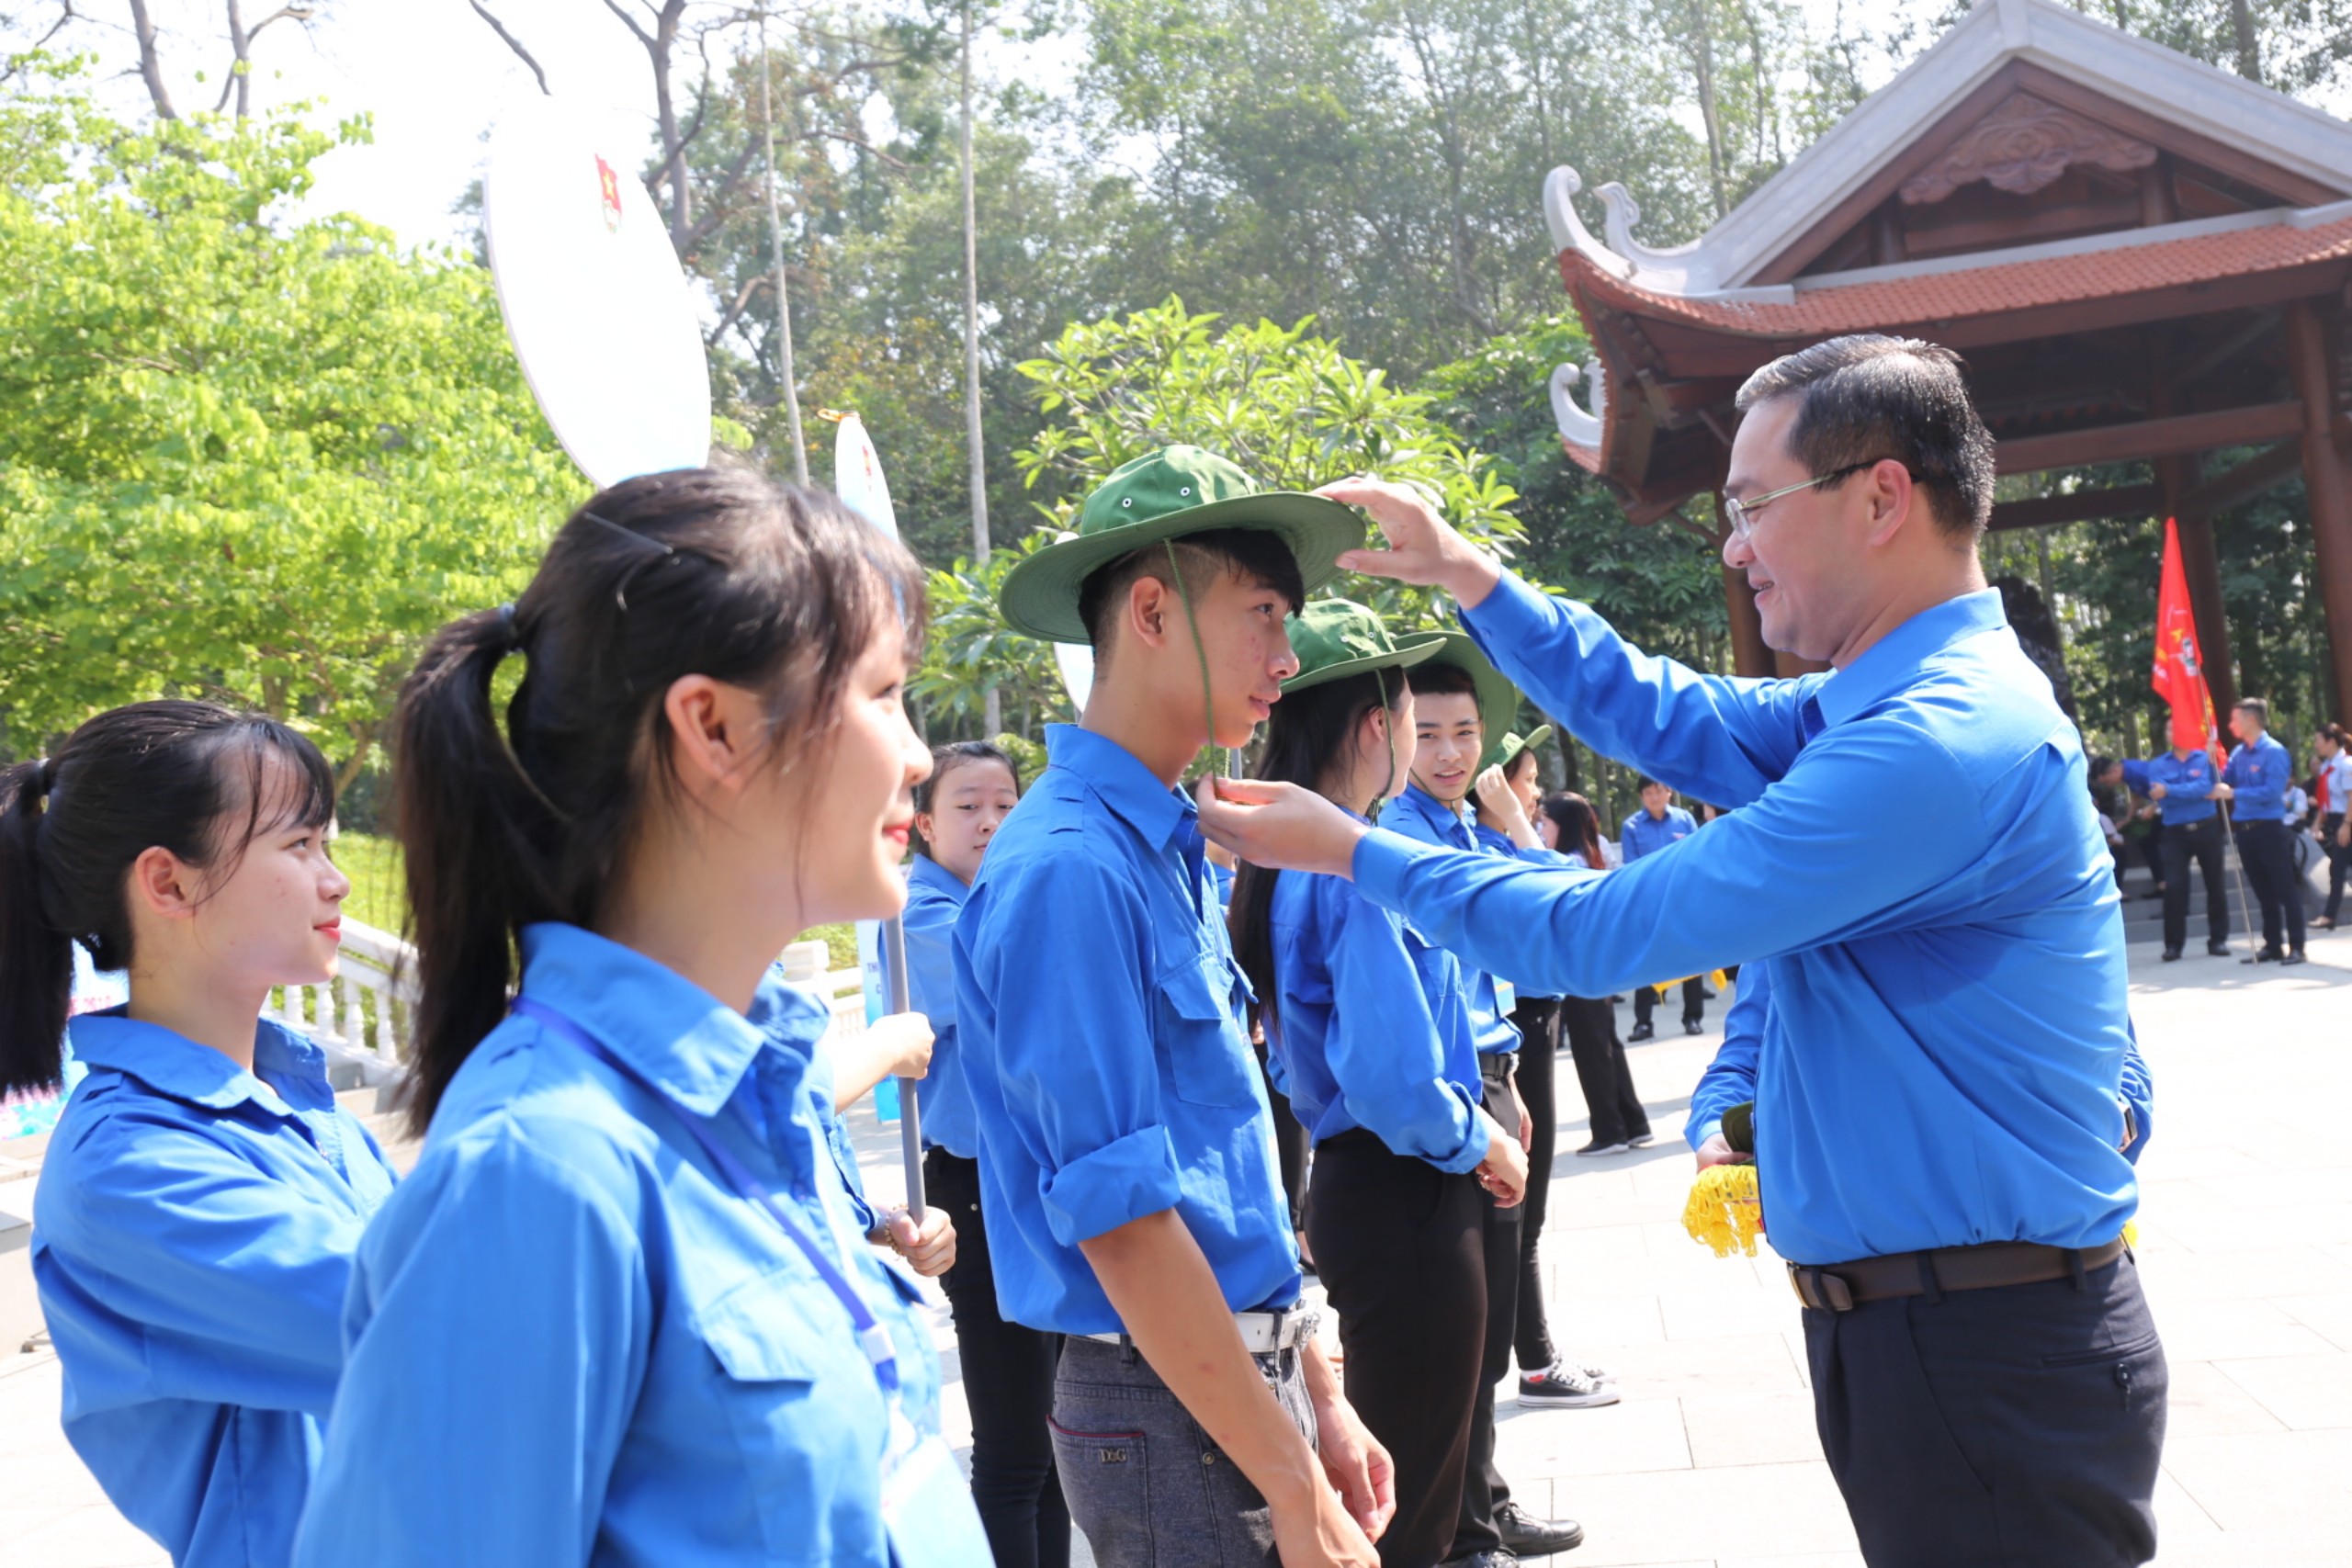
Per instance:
(1644,834)
(2188,785)
(935,898)
(1943,1057)
(573,1342)
(2260,773)
(1371,1028)
(1417,814)
(192,1241)
(1099,1013)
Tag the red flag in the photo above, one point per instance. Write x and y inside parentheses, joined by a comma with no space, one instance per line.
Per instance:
(2180,674)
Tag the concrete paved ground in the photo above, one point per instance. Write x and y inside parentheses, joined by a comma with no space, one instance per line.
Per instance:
(2245,1243)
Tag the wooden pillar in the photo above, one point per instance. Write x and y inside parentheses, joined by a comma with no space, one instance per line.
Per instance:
(2178,476)
(1748,655)
(2311,362)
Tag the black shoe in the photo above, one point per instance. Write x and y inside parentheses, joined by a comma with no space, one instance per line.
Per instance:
(2218,949)
(2172,955)
(1693,1026)
(1640,1033)
(1496,1559)
(1527,1536)
(1601,1147)
(2267,956)
(2294,957)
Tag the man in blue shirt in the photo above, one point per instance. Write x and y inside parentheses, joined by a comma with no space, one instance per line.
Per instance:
(2259,776)
(2185,788)
(1126,1153)
(1657,824)
(1939,1077)
(1460,699)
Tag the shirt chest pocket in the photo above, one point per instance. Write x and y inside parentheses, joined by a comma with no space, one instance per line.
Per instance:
(1209,1061)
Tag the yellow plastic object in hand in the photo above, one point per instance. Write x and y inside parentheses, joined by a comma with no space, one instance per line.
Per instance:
(1716,977)
(1724,1211)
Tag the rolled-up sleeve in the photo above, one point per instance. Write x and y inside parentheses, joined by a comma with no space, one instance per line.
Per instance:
(1822,855)
(1720,737)
(1079,1075)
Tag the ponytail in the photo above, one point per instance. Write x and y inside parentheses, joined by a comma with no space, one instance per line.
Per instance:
(173,774)
(699,571)
(36,958)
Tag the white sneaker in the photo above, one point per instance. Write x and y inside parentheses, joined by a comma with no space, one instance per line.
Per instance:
(1563,1384)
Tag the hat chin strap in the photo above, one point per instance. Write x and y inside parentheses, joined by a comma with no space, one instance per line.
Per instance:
(1388,790)
(1200,651)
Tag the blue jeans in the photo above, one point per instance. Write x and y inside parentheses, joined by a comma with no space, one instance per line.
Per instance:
(1143,1479)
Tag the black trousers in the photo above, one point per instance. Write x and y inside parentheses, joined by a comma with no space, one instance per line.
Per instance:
(1290,1148)
(1401,1247)
(2020,1427)
(2339,861)
(1539,1034)
(1483,1490)
(2201,841)
(1008,1381)
(1694,1000)
(1616,1110)
(2268,850)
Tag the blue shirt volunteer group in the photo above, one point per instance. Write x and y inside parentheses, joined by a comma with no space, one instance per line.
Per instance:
(567,1285)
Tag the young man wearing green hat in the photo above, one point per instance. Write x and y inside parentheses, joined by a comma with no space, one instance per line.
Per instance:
(1459,699)
(1366,1027)
(1124,1138)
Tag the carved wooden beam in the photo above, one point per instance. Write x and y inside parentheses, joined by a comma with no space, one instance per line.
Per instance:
(2080,506)
(2260,424)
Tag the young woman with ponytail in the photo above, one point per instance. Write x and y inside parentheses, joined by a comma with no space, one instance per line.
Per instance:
(620,1311)
(202,1195)
(1366,1023)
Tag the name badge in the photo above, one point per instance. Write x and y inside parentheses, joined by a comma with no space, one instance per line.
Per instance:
(1505,996)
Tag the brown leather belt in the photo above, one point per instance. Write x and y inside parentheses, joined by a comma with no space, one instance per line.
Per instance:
(1842,1286)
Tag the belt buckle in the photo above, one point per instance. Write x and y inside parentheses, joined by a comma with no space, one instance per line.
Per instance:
(1820,1291)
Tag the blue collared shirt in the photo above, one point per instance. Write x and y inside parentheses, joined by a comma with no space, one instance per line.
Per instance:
(1417,814)
(1948,1034)
(2187,781)
(192,1241)
(2260,773)
(1494,841)
(935,898)
(1099,1011)
(1371,1028)
(573,1342)
(1645,835)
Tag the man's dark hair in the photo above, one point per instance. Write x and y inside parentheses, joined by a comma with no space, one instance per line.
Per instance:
(1645,781)
(1440,680)
(1253,555)
(1869,397)
(2256,707)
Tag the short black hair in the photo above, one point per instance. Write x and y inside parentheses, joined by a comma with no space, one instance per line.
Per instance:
(1645,781)
(1433,679)
(1867,397)
(1253,555)
(2256,707)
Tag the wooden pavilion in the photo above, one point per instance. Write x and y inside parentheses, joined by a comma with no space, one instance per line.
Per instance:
(2140,256)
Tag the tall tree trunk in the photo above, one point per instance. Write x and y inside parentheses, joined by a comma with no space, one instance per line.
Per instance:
(977,451)
(151,67)
(1702,50)
(2249,45)
(789,382)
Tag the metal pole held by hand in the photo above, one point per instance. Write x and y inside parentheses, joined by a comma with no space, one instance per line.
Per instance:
(894,964)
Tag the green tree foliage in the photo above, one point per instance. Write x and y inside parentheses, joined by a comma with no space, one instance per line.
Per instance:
(239,457)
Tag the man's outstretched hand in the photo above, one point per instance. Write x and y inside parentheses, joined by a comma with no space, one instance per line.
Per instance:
(1279,826)
(1423,547)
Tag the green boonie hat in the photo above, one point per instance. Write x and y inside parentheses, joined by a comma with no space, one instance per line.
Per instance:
(1335,638)
(1166,495)
(1504,752)
(1498,698)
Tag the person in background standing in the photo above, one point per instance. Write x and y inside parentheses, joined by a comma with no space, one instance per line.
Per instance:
(1617,1119)
(2333,794)
(1008,1367)
(1510,792)
(1658,823)
(2183,786)
(2259,775)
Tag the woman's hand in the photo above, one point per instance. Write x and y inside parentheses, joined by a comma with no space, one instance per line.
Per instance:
(928,1247)
(1495,796)
(897,1045)
(1503,1172)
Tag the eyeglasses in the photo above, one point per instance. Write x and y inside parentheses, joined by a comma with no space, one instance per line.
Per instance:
(1741,514)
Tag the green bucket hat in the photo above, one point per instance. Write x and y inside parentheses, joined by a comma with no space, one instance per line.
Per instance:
(1498,698)
(1335,638)
(1506,752)
(1166,495)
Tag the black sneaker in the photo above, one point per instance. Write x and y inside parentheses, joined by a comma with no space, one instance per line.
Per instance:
(2218,949)
(1639,1032)
(1524,1535)
(2172,955)
(1640,1140)
(1598,1147)
(1693,1026)
(1569,1387)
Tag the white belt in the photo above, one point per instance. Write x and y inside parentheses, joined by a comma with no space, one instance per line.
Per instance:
(1262,1333)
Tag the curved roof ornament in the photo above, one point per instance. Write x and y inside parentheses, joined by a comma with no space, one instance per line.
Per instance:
(1568,231)
(1577,427)
(1685,268)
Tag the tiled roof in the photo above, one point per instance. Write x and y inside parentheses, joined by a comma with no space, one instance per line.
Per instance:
(1811,310)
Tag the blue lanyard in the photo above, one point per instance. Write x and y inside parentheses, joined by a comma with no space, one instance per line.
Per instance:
(872,1336)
